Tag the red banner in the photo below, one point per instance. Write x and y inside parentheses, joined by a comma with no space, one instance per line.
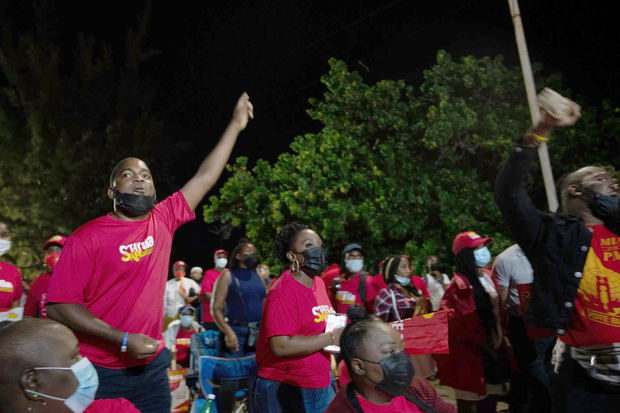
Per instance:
(425,334)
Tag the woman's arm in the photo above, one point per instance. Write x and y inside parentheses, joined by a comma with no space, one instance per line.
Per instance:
(287,346)
(218,306)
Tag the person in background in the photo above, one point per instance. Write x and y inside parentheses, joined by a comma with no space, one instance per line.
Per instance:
(196,274)
(37,295)
(109,283)
(329,276)
(220,261)
(382,377)
(10,278)
(354,286)
(236,306)
(436,281)
(405,296)
(179,333)
(477,366)
(265,274)
(180,290)
(42,371)
(293,369)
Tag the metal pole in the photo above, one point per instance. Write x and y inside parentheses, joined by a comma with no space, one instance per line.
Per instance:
(530,90)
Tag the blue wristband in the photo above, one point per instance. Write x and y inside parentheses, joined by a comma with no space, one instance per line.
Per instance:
(124,345)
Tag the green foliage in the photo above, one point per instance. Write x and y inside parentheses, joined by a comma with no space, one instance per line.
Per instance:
(64,122)
(400,170)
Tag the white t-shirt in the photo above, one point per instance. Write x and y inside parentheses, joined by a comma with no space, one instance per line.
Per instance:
(513,268)
(435,289)
(172,299)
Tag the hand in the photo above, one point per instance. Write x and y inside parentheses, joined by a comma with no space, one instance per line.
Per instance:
(182,292)
(337,333)
(549,122)
(244,111)
(231,341)
(140,346)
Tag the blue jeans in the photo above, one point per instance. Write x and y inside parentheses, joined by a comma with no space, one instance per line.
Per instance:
(275,397)
(145,386)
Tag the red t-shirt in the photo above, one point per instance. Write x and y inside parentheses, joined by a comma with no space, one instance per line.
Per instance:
(292,309)
(10,285)
(118,270)
(596,319)
(37,296)
(111,406)
(399,404)
(379,282)
(328,277)
(348,294)
(206,286)
(182,343)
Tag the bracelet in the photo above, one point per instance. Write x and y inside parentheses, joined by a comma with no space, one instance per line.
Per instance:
(539,138)
(124,345)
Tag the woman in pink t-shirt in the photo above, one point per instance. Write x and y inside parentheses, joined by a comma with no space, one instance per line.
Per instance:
(294,371)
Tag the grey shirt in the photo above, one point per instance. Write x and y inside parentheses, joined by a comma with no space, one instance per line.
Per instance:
(513,268)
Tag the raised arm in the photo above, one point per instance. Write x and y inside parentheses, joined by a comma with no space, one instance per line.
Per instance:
(211,168)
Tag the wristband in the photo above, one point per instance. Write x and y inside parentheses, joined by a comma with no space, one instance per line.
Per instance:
(124,345)
(539,138)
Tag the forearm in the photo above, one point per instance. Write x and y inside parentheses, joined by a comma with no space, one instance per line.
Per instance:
(287,346)
(204,297)
(78,318)
(218,317)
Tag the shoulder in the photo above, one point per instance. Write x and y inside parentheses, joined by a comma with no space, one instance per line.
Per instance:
(460,281)
(8,269)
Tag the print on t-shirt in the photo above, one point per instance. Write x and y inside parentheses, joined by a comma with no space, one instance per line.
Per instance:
(6,286)
(137,250)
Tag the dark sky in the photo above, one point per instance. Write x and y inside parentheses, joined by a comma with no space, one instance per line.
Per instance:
(277,50)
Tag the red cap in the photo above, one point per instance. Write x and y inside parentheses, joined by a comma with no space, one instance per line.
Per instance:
(221,252)
(468,239)
(56,239)
(179,264)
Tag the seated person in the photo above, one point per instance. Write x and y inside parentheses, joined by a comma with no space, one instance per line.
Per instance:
(381,373)
(179,334)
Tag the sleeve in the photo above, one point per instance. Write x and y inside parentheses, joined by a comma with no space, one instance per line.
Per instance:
(19,286)
(371,293)
(501,271)
(383,305)
(30,308)
(72,273)
(206,285)
(517,209)
(420,284)
(174,211)
(281,318)
(424,391)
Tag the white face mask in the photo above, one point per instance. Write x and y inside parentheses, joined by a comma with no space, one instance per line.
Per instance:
(354,265)
(221,262)
(187,320)
(5,245)
(88,382)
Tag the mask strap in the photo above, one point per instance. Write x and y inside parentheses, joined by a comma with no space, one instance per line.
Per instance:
(47,396)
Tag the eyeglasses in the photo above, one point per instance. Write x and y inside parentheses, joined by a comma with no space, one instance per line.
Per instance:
(606,179)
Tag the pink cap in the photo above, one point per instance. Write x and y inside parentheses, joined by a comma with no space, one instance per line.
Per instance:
(468,239)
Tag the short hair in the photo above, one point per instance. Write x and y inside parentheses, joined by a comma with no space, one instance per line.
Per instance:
(354,333)
(284,239)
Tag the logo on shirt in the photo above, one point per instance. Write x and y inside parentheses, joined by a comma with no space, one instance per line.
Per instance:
(6,286)
(137,250)
(321,312)
(599,291)
(611,249)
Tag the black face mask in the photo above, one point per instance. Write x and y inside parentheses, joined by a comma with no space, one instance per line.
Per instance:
(135,205)
(604,207)
(435,267)
(250,261)
(397,374)
(314,260)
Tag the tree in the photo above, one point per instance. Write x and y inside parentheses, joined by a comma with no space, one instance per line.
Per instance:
(64,122)
(399,169)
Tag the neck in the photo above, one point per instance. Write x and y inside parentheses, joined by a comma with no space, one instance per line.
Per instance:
(590,219)
(303,278)
(369,391)
(186,329)
(122,216)
(348,275)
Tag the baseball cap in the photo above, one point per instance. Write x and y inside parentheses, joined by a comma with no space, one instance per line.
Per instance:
(221,252)
(185,308)
(56,239)
(468,239)
(179,264)
(352,247)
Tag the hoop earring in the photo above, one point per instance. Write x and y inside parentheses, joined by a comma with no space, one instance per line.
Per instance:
(295,266)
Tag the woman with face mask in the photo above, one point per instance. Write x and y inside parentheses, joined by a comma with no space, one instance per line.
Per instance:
(476,367)
(236,306)
(44,372)
(382,376)
(293,369)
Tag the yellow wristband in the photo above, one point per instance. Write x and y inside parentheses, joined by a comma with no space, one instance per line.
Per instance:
(539,138)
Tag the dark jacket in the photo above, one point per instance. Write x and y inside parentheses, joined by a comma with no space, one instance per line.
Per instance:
(421,389)
(556,245)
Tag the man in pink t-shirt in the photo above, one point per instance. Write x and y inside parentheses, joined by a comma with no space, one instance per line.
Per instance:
(349,290)
(10,278)
(220,259)
(108,285)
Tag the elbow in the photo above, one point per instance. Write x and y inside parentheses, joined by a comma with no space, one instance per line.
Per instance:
(54,312)
(278,351)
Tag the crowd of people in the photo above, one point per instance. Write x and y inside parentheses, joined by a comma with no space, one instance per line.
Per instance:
(537,327)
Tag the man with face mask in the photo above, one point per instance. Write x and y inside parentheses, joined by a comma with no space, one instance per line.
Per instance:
(109,283)
(37,295)
(180,290)
(11,288)
(220,261)
(354,286)
(575,256)
(179,333)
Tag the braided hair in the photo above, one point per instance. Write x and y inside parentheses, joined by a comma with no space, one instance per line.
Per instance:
(389,271)
(285,238)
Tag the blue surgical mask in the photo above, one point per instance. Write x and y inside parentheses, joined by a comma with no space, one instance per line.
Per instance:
(187,320)
(404,281)
(221,263)
(354,265)
(88,382)
(482,257)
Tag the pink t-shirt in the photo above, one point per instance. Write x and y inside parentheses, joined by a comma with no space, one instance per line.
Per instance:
(10,285)
(111,406)
(348,294)
(37,296)
(292,309)
(206,286)
(118,270)
(398,404)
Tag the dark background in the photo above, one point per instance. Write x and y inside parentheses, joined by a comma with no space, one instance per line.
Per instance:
(210,52)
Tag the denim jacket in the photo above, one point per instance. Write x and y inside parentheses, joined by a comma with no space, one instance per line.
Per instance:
(556,245)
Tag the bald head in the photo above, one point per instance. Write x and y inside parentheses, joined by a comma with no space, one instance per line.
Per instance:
(571,183)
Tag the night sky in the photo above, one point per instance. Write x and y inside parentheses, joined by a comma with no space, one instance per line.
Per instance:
(209,52)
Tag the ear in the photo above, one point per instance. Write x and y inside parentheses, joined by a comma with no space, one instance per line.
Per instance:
(574,190)
(110,192)
(290,255)
(358,367)
(29,381)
